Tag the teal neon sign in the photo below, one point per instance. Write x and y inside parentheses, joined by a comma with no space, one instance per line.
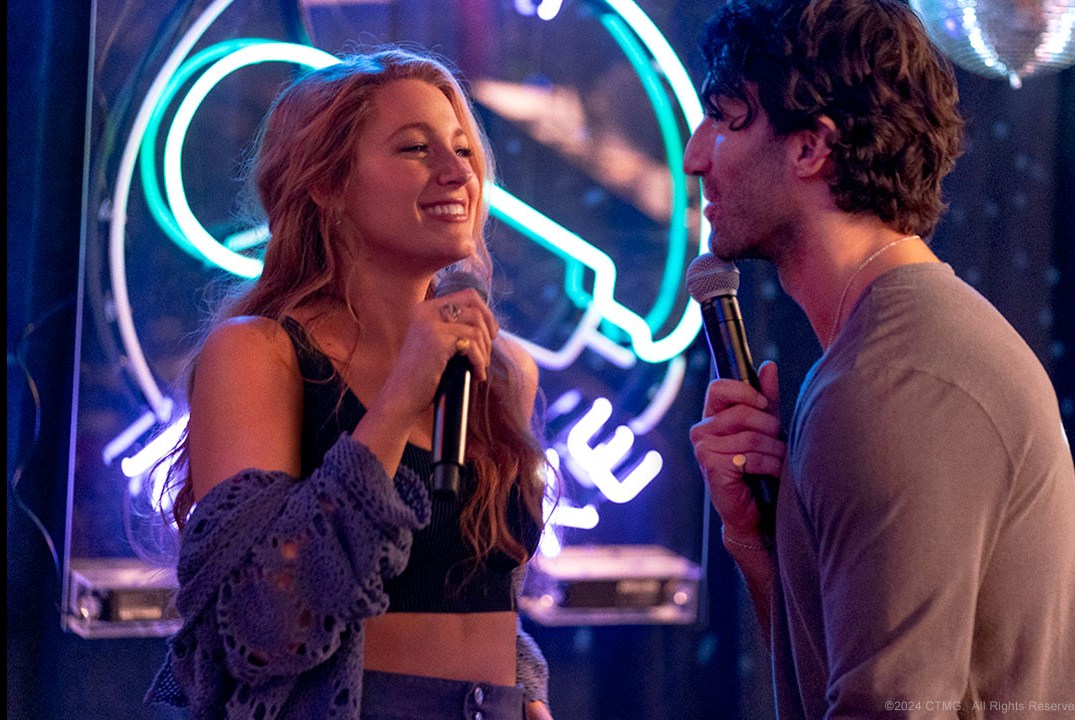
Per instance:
(590,273)
(634,33)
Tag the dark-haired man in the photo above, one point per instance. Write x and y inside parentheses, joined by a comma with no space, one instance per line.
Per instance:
(924,558)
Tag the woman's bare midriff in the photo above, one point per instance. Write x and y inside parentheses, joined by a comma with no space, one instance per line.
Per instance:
(456,646)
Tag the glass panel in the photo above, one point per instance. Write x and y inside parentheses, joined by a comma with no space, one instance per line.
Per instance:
(588,109)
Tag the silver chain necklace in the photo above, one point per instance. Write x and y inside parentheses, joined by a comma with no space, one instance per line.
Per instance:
(862,265)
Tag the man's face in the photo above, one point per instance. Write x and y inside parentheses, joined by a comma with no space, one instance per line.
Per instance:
(744,180)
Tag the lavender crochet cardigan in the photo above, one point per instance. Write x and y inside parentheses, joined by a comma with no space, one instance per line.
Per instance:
(276,576)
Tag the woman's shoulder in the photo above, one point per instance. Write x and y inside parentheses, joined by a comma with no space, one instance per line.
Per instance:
(247,342)
(526,368)
(517,353)
(520,357)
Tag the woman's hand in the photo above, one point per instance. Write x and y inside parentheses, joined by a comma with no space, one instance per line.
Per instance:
(459,323)
(739,433)
(439,329)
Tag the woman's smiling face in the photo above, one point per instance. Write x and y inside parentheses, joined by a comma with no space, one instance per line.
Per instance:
(414,193)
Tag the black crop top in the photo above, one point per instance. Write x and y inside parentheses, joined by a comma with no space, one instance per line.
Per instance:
(441,575)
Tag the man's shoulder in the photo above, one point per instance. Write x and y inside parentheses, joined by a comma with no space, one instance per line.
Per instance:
(928,323)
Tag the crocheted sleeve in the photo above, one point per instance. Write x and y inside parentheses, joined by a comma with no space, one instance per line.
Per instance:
(531,668)
(286,565)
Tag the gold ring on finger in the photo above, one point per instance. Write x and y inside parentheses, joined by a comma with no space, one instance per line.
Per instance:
(461,344)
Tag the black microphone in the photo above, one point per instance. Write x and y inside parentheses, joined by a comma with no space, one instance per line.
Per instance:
(713,283)
(451,402)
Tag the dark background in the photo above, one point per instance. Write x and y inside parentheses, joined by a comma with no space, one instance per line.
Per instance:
(1009,232)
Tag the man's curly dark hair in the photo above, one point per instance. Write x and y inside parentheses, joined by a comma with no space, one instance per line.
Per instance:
(869,66)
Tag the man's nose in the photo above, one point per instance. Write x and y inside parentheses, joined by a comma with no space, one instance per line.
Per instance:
(696,155)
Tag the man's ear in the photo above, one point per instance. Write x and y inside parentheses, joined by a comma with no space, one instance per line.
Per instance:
(813,148)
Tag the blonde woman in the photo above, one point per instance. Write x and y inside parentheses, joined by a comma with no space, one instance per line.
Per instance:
(319,576)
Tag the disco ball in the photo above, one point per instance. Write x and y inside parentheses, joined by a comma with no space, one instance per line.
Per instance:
(1011,39)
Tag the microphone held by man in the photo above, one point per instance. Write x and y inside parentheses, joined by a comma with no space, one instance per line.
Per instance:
(714,284)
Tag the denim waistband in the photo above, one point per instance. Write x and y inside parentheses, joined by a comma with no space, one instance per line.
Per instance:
(392,696)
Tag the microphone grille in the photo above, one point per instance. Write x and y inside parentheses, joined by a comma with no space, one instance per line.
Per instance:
(457,280)
(708,276)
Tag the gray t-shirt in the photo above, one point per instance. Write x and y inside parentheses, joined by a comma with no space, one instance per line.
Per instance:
(926,518)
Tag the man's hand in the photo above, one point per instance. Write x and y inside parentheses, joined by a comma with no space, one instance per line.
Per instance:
(537,710)
(739,433)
